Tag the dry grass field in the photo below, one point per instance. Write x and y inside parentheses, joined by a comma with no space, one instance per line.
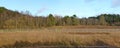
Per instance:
(60,36)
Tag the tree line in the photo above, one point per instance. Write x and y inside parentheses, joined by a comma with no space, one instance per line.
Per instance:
(13,19)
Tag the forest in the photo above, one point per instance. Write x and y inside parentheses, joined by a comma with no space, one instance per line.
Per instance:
(10,19)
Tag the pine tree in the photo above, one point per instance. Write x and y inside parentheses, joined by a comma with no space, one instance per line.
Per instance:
(51,20)
(74,19)
(102,20)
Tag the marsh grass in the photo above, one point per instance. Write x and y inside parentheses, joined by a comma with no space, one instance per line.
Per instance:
(46,37)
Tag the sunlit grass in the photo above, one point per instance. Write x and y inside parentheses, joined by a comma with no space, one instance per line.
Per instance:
(54,38)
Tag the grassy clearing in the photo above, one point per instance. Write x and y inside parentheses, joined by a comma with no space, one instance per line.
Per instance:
(46,37)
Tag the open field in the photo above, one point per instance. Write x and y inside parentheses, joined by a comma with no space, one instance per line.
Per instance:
(60,36)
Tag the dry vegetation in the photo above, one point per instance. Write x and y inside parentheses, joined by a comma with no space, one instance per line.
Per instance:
(49,37)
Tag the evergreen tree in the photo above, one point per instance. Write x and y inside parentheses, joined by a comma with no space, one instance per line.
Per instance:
(75,20)
(102,20)
(51,20)
(67,20)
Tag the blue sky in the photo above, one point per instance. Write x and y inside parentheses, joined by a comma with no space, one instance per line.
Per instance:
(82,8)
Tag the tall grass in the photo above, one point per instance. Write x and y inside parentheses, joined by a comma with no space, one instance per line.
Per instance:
(45,38)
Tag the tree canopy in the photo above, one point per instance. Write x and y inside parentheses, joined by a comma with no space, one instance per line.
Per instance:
(13,19)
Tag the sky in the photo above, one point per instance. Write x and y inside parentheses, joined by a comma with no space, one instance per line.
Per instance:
(82,8)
